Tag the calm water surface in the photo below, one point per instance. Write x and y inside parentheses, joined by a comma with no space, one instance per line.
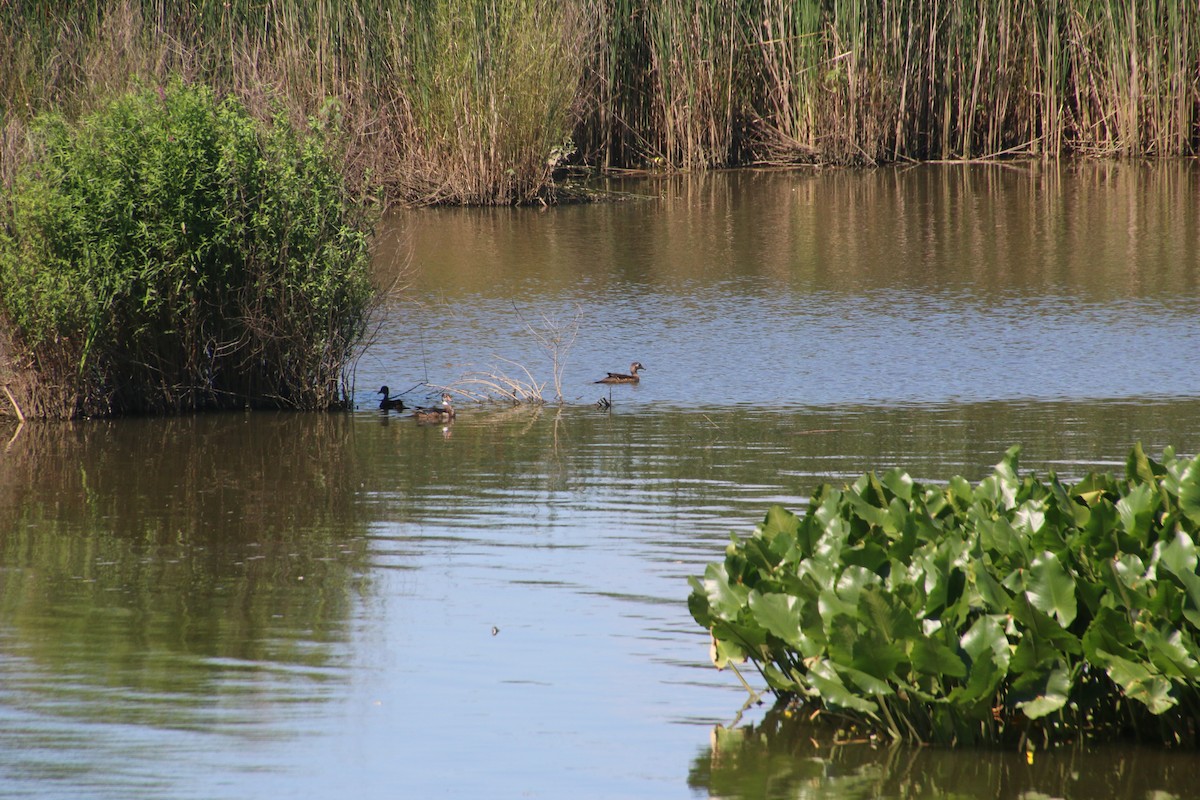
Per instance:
(270,605)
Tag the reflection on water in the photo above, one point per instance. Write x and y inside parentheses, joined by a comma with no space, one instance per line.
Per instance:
(785,757)
(280,604)
(151,581)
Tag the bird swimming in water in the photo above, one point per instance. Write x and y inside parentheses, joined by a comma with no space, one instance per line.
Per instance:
(618,377)
(444,412)
(389,403)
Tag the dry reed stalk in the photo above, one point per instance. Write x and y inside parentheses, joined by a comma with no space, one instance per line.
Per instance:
(476,100)
(495,385)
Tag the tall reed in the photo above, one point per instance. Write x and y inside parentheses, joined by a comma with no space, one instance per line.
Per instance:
(857,80)
(460,101)
(479,100)
(489,86)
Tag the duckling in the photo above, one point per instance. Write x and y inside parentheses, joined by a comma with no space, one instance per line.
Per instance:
(444,412)
(388,402)
(617,377)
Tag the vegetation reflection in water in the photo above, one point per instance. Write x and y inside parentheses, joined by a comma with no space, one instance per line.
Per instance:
(788,756)
(153,567)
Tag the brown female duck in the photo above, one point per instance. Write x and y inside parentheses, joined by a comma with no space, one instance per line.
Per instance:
(389,403)
(442,413)
(617,377)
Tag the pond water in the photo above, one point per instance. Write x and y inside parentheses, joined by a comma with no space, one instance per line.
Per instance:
(311,605)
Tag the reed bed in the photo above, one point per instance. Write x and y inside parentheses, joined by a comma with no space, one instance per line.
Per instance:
(481,101)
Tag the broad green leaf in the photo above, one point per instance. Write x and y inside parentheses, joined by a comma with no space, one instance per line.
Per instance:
(779,522)
(876,655)
(780,682)
(988,589)
(1141,684)
(866,682)
(726,600)
(1041,635)
(1178,556)
(959,492)
(759,556)
(722,651)
(1136,510)
(824,678)
(843,636)
(1131,572)
(1029,518)
(1109,634)
(983,680)
(1189,491)
(999,537)
(736,641)
(1167,652)
(1052,589)
(831,606)
(698,603)
(1000,488)
(1137,465)
(987,636)
(1051,695)
(934,658)
(1101,525)
(882,614)
(898,483)
(868,555)
(863,510)
(779,614)
(1077,513)
(853,581)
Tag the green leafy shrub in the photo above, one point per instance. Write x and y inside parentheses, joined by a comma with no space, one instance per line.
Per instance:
(1018,608)
(170,253)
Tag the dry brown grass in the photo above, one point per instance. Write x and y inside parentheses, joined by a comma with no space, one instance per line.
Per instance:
(478,102)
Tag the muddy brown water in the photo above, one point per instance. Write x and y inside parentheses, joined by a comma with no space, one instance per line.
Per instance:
(264,605)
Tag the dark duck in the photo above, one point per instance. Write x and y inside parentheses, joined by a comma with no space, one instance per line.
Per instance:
(389,403)
(618,377)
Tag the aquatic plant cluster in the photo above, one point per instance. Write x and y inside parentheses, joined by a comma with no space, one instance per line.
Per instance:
(480,101)
(171,253)
(1019,611)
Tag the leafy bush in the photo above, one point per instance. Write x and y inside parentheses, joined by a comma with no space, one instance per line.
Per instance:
(169,253)
(952,614)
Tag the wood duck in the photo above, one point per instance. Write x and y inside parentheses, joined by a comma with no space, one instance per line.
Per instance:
(617,377)
(442,413)
(388,402)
